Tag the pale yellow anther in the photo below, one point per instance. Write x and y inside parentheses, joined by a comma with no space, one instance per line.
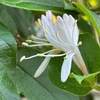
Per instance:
(24,44)
(40,55)
(37,24)
(29,41)
(75,22)
(80,43)
(22,58)
(54,18)
(57,34)
(39,21)
(46,31)
(32,37)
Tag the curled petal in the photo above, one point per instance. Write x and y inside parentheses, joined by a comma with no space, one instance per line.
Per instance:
(42,67)
(66,67)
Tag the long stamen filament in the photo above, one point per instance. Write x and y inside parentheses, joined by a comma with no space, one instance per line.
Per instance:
(35,42)
(35,45)
(59,55)
(23,57)
(50,51)
(36,38)
(42,44)
(42,55)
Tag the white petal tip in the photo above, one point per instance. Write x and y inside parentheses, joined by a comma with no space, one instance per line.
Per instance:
(63,80)
(36,75)
(66,67)
(48,12)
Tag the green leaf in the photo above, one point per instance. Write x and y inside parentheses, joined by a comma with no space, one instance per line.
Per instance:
(6,19)
(83,84)
(93,17)
(43,82)
(68,6)
(24,20)
(84,26)
(39,5)
(30,87)
(7,64)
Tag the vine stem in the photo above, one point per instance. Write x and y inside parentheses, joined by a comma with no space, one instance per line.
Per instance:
(97,86)
(97,37)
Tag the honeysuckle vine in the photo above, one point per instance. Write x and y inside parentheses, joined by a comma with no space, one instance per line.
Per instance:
(63,35)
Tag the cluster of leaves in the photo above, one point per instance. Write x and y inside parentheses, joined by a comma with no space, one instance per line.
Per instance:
(17,79)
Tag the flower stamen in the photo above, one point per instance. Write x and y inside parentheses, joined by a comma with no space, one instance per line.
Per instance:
(37,44)
(58,55)
(22,58)
(40,55)
(75,22)
(80,43)
(54,18)
(45,31)
(29,41)
(36,38)
(38,23)
(57,34)
(24,44)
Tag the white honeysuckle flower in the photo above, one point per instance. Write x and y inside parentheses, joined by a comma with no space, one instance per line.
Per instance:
(62,34)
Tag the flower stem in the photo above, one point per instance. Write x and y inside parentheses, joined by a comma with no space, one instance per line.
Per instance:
(80,62)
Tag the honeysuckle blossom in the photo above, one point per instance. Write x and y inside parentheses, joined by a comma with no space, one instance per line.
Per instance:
(62,34)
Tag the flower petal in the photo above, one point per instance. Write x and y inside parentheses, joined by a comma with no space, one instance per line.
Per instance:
(62,31)
(48,25)
(49,15)
(67,25)
(42,67)
(74,28)
(75,35)
(66,67)
(57,44)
